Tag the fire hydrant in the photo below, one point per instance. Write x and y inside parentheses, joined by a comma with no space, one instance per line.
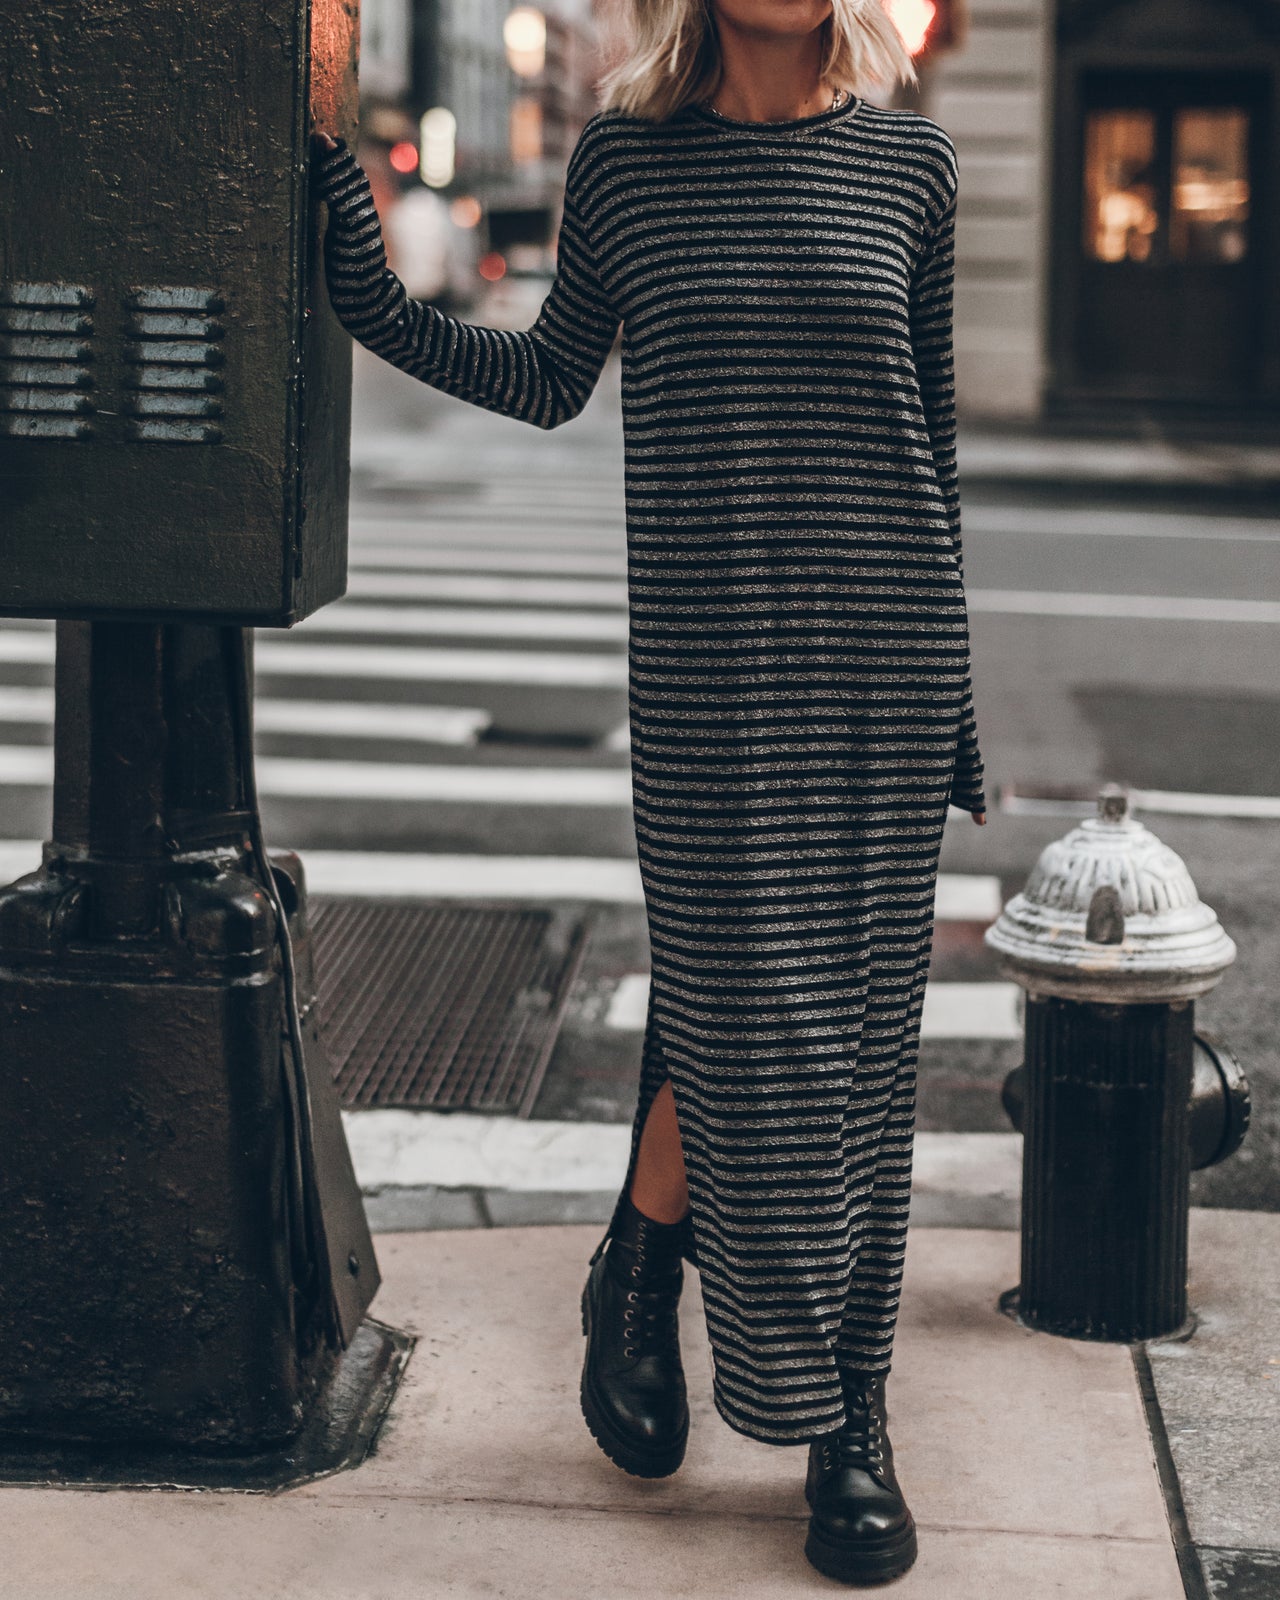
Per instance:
(1117,1093)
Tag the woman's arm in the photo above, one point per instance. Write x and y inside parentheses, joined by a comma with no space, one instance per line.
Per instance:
(932,296)
(543,376)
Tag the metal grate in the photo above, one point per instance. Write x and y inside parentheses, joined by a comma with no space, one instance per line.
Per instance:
(444,1007)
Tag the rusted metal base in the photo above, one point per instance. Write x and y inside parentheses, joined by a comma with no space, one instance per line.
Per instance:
(339,1433)
(1010,1305)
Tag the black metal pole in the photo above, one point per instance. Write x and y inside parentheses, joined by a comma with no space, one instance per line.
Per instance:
(160,1279)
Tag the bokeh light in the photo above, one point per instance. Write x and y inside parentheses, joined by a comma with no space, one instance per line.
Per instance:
(524,33)
(465,211)
(439,129)
(913,19)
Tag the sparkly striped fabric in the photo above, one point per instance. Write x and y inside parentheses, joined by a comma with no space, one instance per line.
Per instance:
(800,700)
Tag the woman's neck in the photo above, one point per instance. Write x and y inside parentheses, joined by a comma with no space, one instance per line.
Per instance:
(770,78)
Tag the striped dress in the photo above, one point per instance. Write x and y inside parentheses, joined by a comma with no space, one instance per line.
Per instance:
(801,710)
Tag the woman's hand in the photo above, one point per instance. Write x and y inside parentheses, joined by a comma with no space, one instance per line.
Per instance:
(980,817)
(327,165)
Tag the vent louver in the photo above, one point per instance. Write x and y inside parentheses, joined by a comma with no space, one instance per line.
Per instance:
(46,332)
(172,358)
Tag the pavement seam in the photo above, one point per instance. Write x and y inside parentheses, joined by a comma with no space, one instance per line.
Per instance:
(591,1508)
(1189,1566)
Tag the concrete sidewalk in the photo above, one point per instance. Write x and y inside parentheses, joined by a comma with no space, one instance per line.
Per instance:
(1028,1459)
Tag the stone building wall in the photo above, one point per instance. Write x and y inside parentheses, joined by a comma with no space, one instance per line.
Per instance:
(993,96)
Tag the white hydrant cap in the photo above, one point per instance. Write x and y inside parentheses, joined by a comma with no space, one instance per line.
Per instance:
(1110,914)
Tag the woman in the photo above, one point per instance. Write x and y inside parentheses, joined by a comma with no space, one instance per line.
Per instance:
(779,252)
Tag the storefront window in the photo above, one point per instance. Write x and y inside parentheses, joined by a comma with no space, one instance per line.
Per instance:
(1209,220)
(1120,213)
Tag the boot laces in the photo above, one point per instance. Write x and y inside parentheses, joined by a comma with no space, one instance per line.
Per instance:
(651,1318)
(860,1442)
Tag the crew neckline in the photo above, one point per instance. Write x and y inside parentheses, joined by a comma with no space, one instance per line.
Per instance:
(816,119)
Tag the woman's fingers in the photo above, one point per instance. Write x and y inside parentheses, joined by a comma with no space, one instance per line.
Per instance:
(326,141)
(980,817)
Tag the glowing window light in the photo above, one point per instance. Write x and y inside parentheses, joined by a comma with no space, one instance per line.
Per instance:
(913,19)
(439,130)
(526,128)
(524,33)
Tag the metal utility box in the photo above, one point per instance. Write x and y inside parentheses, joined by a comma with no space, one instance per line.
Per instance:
(174,390)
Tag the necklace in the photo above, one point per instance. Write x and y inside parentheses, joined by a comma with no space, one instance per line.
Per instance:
(838,99)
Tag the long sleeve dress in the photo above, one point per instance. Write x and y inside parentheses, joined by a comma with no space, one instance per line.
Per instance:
(800,701)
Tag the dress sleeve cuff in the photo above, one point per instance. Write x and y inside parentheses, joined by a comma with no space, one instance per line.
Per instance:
(967,781)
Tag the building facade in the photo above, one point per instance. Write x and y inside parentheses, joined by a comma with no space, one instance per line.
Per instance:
(512,127)
(1117,229)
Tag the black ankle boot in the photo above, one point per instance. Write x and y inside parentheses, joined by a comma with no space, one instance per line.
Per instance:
(861,1530)
(633,1387)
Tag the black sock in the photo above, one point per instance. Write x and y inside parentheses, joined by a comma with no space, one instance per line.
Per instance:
(664,1239)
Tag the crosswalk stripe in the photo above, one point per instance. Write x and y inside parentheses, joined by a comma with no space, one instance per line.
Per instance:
(971,1011)
(458,534)
(1172,802)
(283,776)
(489,622)
(515,591)
(968,897)
(1256,807)
(386,780)
(287,659)
(25,649)
(427,1150)
(26,765)
(17,858)
(357,719)
(407,875)
(383,874)
(543,668)
(1008,602)
(378,874)
(1114,523)
(416,1149)
(417,559)
(559,493)
(951,1010)
(512,477)
(26,705)
(346,719)
(629,1003)
(1130,607)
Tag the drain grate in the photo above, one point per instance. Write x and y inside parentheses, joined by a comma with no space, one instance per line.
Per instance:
(452,1008)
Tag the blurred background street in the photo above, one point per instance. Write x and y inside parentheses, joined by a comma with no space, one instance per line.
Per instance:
(447,749)
(455,731)
(447,746)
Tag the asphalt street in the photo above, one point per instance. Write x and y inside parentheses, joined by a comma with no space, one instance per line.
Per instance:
(461,718)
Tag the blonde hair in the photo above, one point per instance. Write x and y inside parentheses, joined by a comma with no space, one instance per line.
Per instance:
(667,53)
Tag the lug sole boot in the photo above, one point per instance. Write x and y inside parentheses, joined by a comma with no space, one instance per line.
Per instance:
(633,1385)
(861,1530)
